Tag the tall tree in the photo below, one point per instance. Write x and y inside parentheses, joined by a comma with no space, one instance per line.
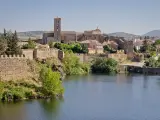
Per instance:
(3,45)
(5,33)
(12,40)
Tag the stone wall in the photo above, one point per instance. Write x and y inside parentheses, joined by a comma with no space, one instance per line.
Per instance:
(47,53)
(118,57)
(13,68)
(28,53)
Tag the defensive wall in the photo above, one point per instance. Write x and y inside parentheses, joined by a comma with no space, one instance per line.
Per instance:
(13,67)
(42,53)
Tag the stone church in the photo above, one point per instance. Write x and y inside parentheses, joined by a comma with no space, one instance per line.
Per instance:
(70,36)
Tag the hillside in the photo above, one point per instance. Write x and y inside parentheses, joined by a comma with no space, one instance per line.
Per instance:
(31,34)
(155,33)
(125,35)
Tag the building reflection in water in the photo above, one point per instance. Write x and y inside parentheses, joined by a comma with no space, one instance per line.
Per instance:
(123,78)
(145,81)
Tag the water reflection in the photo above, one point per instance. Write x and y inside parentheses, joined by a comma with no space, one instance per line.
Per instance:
(145,81)
(12,111)
(124,78)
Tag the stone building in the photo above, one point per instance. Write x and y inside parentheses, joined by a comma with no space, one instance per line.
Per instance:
(57,29)
(128,47)
(94,47)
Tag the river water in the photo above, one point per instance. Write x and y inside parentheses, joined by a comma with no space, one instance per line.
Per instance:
(94,97)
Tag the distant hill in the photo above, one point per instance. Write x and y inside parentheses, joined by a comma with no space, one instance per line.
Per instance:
(127,36)
(154,33)
(31,34)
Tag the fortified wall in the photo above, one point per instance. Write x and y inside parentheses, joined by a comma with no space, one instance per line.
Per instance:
(119,56)
(13,67)
(43,53)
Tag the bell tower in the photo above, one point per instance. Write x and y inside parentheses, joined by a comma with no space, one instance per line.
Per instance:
(57,29)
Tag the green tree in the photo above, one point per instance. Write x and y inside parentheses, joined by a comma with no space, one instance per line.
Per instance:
(84,48)
(1,89)
(72,65)
(157,42)
(12,42)
(31,44)
(3,44)
(51,82)
(104,65)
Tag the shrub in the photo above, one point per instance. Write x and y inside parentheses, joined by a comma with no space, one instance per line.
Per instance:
(74,47)
(72,65)
(51,82)
(31,45)
(104,65)
(1,89)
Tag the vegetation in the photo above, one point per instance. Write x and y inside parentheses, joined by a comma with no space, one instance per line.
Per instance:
(74,47)
(107,48)
(157,42)
(31,44)
(72,65)
(104,65)
(51,82)
(3,45)
(48,85)
(9,43)
(152,62)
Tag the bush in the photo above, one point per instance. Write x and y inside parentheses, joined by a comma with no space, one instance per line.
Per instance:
(31,45)
(51,82)
(104,65)
(72,65)
(1,89)
(74,47)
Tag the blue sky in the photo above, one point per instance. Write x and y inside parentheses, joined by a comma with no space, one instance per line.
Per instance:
(132,16)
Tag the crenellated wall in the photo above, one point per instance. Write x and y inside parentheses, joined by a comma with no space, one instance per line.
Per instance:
(13,67)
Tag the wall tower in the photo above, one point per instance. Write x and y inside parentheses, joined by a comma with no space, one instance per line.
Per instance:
(57,29)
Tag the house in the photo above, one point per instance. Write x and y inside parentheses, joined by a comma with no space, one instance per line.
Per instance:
(138,44)
(111,44)
(94,47)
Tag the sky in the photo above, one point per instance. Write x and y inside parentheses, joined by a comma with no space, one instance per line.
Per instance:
(131,16)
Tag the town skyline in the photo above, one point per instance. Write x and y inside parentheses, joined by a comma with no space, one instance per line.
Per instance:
(135,17)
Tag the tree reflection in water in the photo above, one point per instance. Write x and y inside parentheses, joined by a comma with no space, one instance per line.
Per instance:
(15,110)
(51,107)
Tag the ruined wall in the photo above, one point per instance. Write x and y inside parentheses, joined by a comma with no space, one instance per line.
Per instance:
(13,68)
(118,57)
(28,53)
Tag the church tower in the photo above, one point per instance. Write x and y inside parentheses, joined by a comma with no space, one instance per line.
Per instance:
(57,29)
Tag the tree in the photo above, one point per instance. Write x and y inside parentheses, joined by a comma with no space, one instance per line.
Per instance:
(104,65)
(1,89)
(12,44)
(31,44)
(84,48)
(157,42)
(51,82)
(5,33)
(3,45)
(72,65)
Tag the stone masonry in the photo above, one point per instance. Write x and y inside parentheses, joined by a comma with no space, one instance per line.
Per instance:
(13,68)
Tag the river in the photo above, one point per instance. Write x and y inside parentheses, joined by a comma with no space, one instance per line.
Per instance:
(94,97)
